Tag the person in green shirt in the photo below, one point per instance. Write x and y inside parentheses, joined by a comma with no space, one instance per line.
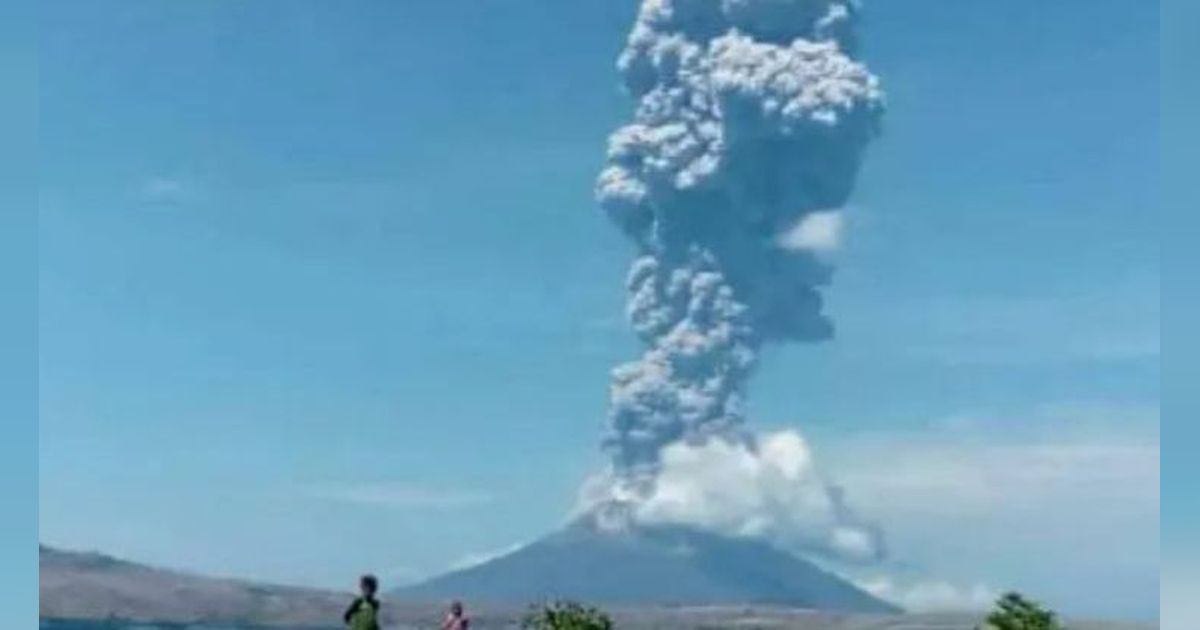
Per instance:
(363,613)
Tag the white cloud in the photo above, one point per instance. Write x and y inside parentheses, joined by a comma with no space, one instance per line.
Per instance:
(1070,515)
(929,595)
(772,491)
(975,463)
(819,232)
(400,495)
(965,476)
(854,542)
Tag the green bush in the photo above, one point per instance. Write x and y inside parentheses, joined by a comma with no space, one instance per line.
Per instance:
(1014,612)
(566,616)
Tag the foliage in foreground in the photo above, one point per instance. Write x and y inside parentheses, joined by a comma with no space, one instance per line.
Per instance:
(1014,612)
(566,616)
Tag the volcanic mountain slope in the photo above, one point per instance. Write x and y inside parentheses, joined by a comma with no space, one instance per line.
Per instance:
(94,586)
(650,566)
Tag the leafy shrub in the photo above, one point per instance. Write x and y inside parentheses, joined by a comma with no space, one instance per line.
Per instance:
(1014,612)
(566,616)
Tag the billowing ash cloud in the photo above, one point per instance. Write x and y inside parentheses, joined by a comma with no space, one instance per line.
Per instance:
(751,118)
(750,123)
(770,490)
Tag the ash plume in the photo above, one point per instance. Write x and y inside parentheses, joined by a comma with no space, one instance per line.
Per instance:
(750,123)
(751,116)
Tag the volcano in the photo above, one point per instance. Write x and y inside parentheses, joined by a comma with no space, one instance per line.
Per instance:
(638,566)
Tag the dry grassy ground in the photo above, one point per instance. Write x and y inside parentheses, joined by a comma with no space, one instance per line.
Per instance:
(744,618)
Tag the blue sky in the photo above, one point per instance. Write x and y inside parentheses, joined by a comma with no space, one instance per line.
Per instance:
(18,320)
(1180,516)
(325,289)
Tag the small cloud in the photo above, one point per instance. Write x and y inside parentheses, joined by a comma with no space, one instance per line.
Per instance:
(162,190)
(400,496)
(817,232)
(854,542)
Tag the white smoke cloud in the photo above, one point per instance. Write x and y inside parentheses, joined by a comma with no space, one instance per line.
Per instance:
(771,490)
(819,232)
(929,595)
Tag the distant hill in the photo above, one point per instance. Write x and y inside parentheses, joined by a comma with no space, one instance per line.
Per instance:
(95,586)
(650,566)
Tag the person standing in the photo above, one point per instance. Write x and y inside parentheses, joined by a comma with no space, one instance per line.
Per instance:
(363,613)
(456,619)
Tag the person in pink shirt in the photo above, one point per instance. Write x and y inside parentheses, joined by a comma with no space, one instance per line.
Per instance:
(456,619)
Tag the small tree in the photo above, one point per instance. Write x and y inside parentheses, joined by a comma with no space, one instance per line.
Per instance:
(566,616)
(1014,612)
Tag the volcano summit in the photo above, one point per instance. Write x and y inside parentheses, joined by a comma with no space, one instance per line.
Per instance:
(670,565)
